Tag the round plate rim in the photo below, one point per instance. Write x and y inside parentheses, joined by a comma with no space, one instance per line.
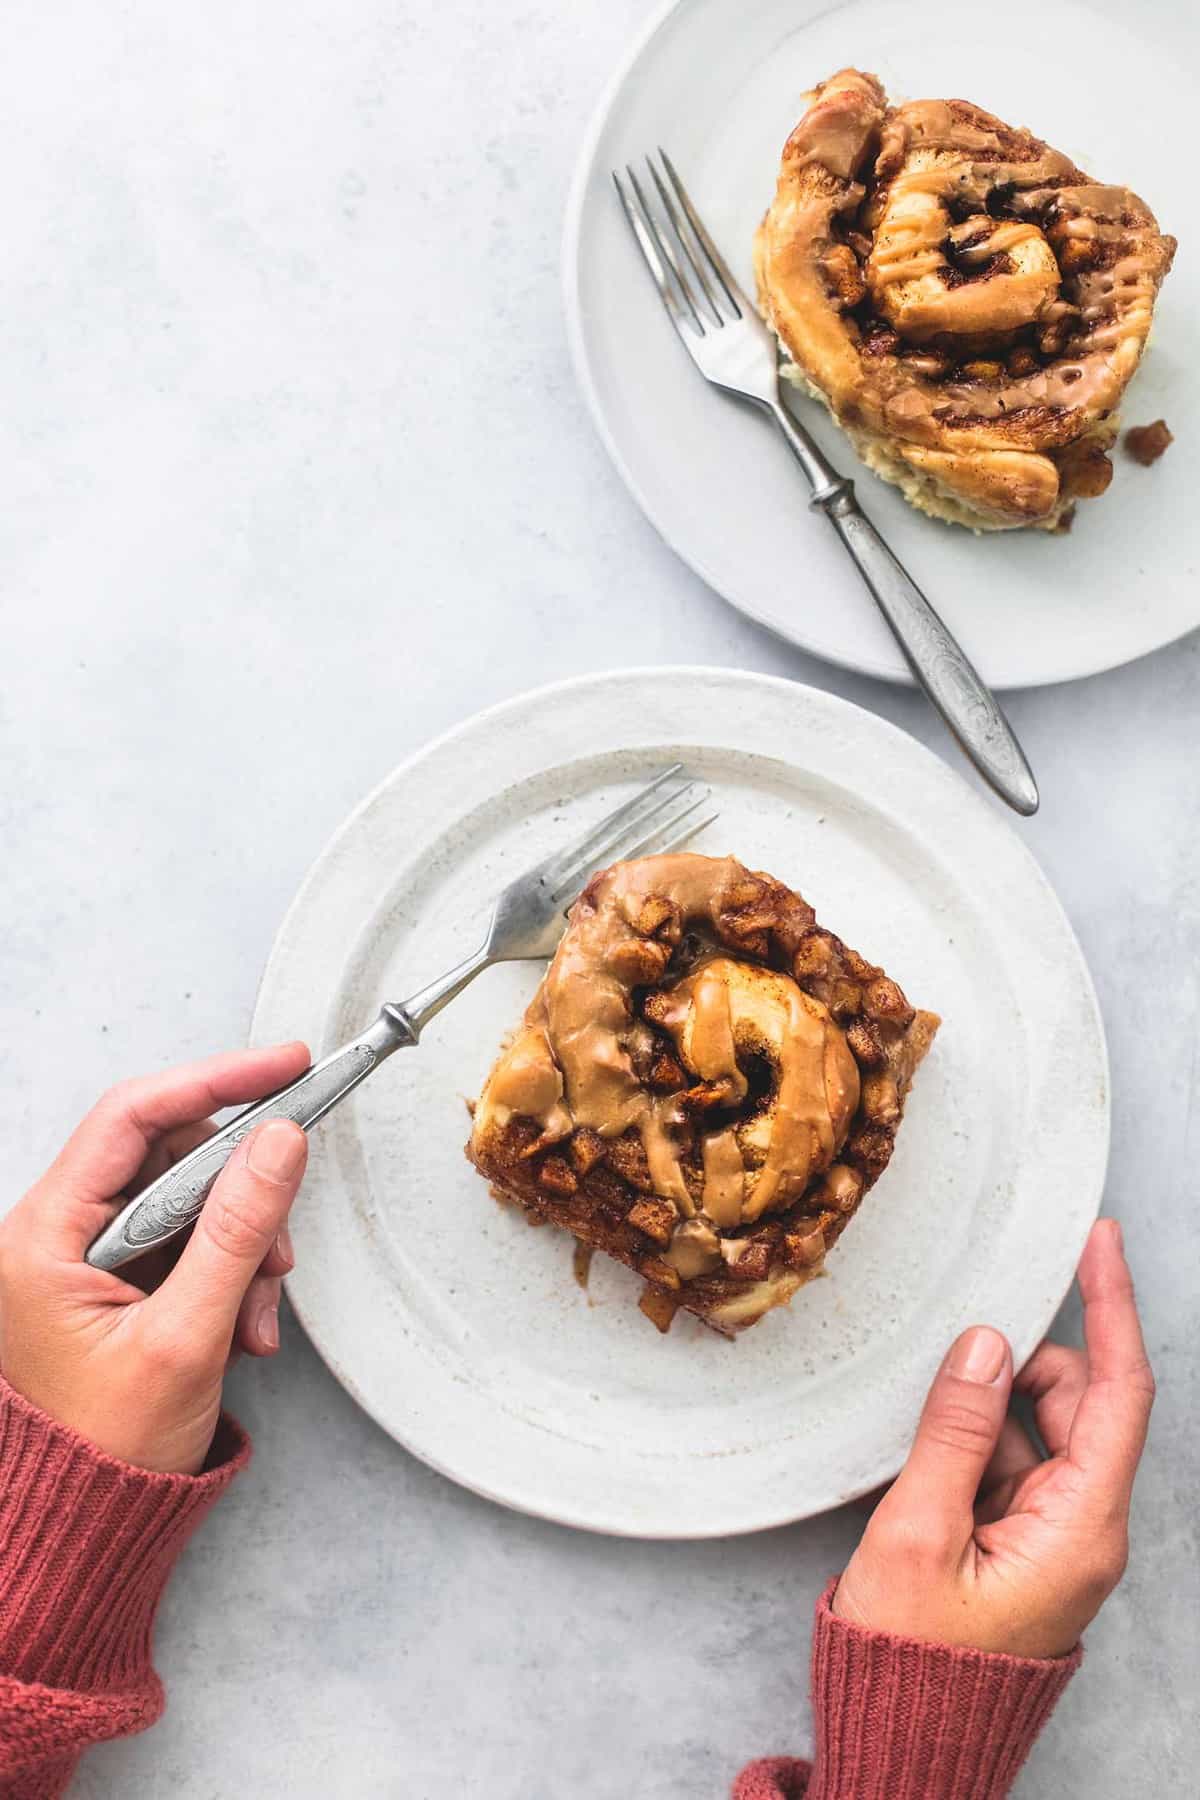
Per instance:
(514,1494)
(636,48)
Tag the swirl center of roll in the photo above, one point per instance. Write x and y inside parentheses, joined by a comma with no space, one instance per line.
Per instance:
(968,303)
(704,1086)
(1003,272)
(762,1080)
(773,1137)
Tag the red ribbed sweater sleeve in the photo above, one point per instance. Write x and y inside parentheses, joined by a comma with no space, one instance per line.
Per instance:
(86,1546)
(896,1719)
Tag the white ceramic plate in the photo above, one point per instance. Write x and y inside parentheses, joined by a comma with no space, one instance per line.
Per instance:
(462,1331)
(718,82)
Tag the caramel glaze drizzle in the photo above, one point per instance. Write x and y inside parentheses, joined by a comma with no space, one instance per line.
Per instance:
(894,172)
(570,1065)
(934,146)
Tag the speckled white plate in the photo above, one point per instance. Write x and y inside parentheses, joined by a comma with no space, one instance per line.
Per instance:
(718,82)
(461,1329)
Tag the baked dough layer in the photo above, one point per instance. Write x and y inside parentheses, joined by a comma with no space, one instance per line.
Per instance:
(704,1086)
(968,304)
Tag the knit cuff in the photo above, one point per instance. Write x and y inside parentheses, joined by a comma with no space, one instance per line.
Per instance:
(86,1546)
(773,1778)
(897,1719)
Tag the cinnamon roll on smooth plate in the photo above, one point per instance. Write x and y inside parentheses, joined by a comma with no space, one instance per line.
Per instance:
(705,1085)
(969,305)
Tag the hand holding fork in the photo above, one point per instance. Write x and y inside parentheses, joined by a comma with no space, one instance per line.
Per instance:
(526,923)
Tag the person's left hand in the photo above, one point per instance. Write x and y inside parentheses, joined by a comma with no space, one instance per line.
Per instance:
(135,1362)
(981,1541)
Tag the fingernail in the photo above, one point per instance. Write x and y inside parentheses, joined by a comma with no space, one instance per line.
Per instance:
(276,1150)
(1114,1225)
(283,1247)
(979,1356)
(267,1329)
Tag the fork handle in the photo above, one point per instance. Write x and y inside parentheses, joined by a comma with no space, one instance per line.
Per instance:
(935,656)
(170,1204)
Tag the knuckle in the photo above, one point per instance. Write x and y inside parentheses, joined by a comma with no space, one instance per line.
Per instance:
(120,1106)
(176,1353)
(119,1099)
(957,1425)
(237,1220)
(1117,1560)
(1117,1283)
(1060,1359)
(1051,1364)
(1103,1568)
(910,1539)
(1142,1381)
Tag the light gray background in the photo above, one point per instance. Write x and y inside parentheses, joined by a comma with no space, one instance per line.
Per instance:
(295,476)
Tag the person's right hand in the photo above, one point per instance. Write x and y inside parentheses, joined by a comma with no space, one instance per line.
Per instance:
(980,1542)
(139,1374)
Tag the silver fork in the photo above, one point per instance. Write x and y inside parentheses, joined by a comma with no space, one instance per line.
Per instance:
(526,923)
(734,349)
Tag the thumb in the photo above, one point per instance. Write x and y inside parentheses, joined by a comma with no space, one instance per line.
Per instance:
(238,1225)
(959,1426)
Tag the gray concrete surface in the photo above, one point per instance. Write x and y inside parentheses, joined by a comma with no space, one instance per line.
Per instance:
(239,512)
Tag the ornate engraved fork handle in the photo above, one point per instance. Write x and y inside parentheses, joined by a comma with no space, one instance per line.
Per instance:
(933,654)
(525,924)
(937,660)
(169,1205)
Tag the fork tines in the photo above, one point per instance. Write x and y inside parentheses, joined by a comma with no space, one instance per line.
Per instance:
(661,817)
(691,275)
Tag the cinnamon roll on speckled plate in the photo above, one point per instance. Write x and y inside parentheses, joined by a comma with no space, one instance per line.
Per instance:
(968,304)
(705,1085)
